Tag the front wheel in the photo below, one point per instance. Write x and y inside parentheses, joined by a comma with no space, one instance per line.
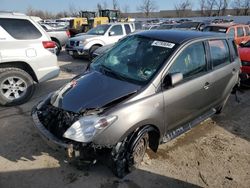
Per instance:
(130,157)
(16,86)
(92,50)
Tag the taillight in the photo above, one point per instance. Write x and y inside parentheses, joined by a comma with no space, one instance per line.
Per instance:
(49,44)
(68,33)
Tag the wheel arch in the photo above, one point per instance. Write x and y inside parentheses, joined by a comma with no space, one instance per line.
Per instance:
(153,133)
(21,65)
(56,40)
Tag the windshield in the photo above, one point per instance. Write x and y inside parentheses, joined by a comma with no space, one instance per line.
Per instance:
(134,59)
(99,30)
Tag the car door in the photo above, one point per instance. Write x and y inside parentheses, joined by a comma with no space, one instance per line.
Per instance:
(240,35)
(190,98)
(224,72)
(115,33)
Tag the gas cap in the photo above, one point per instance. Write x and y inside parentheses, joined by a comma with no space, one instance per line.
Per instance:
(31,52)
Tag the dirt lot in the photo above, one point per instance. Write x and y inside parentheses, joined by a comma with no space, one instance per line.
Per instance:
(214,154)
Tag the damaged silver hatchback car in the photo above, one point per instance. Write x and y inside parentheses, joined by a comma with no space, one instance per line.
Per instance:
(148,89)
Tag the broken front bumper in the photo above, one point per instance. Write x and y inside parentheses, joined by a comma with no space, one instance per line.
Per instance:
(51,140)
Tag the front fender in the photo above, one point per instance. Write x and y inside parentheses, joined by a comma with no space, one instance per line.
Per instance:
(94,42)
(131,116)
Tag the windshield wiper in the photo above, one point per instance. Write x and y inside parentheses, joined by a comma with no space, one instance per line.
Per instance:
(110,71)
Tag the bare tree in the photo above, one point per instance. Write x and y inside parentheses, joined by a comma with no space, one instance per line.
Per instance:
(99,6)
(147,6)
(210,5)
(115,4)
(202,7)
(30,11)
(104,5)
(182,8)
(73,11)
(241,7)
(236,5)
(221,6)
(126,8)
(246,7)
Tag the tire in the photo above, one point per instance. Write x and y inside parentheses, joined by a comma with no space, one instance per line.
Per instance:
(58,47)
(129,159)
(92,50)
(16,86)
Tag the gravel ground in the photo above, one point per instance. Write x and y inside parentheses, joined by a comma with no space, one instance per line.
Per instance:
(214,154)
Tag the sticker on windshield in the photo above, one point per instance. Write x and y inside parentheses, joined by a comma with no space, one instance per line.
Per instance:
(163,44)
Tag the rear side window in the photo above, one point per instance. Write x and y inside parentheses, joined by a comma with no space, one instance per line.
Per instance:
(191,61)
(231,32)
(117,29)
(20,29)
(127,28)
(219,52)
(235,50)
(240,32)
(247,31)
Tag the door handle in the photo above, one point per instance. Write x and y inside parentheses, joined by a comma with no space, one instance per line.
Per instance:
(207,85)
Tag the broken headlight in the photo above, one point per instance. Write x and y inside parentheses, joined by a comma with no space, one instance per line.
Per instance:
(87,127)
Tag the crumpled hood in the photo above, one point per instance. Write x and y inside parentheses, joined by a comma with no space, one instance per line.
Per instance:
(83,37)
(90,91)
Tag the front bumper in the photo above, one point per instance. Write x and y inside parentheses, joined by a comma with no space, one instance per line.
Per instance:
(53,141)
(77,51)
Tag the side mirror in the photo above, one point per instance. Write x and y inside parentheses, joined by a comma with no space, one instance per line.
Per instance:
(172,79)
(111,33)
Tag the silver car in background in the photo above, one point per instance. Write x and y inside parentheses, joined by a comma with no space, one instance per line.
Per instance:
(146,90)
(84,44)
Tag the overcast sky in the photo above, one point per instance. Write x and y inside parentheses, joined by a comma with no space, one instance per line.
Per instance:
(60,5)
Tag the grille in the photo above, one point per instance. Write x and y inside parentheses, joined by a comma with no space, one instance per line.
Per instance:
(56,120)
(72,43)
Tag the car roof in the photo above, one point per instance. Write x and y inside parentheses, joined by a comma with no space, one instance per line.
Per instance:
(178,36)
(6,14)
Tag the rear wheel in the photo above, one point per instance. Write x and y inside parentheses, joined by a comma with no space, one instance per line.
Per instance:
(16,86)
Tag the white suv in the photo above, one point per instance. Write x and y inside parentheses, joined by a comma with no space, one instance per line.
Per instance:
(26,57)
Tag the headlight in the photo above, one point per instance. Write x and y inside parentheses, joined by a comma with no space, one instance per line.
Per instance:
(87,127)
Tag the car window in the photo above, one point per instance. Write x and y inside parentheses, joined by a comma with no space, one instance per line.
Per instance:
(240,32)
(231,32)
(45,28)
(127,28)
(117,29)
(215,29)
(247,31)
(219,52)
(99,30)
(235,50)
(191,61)
(20,29)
